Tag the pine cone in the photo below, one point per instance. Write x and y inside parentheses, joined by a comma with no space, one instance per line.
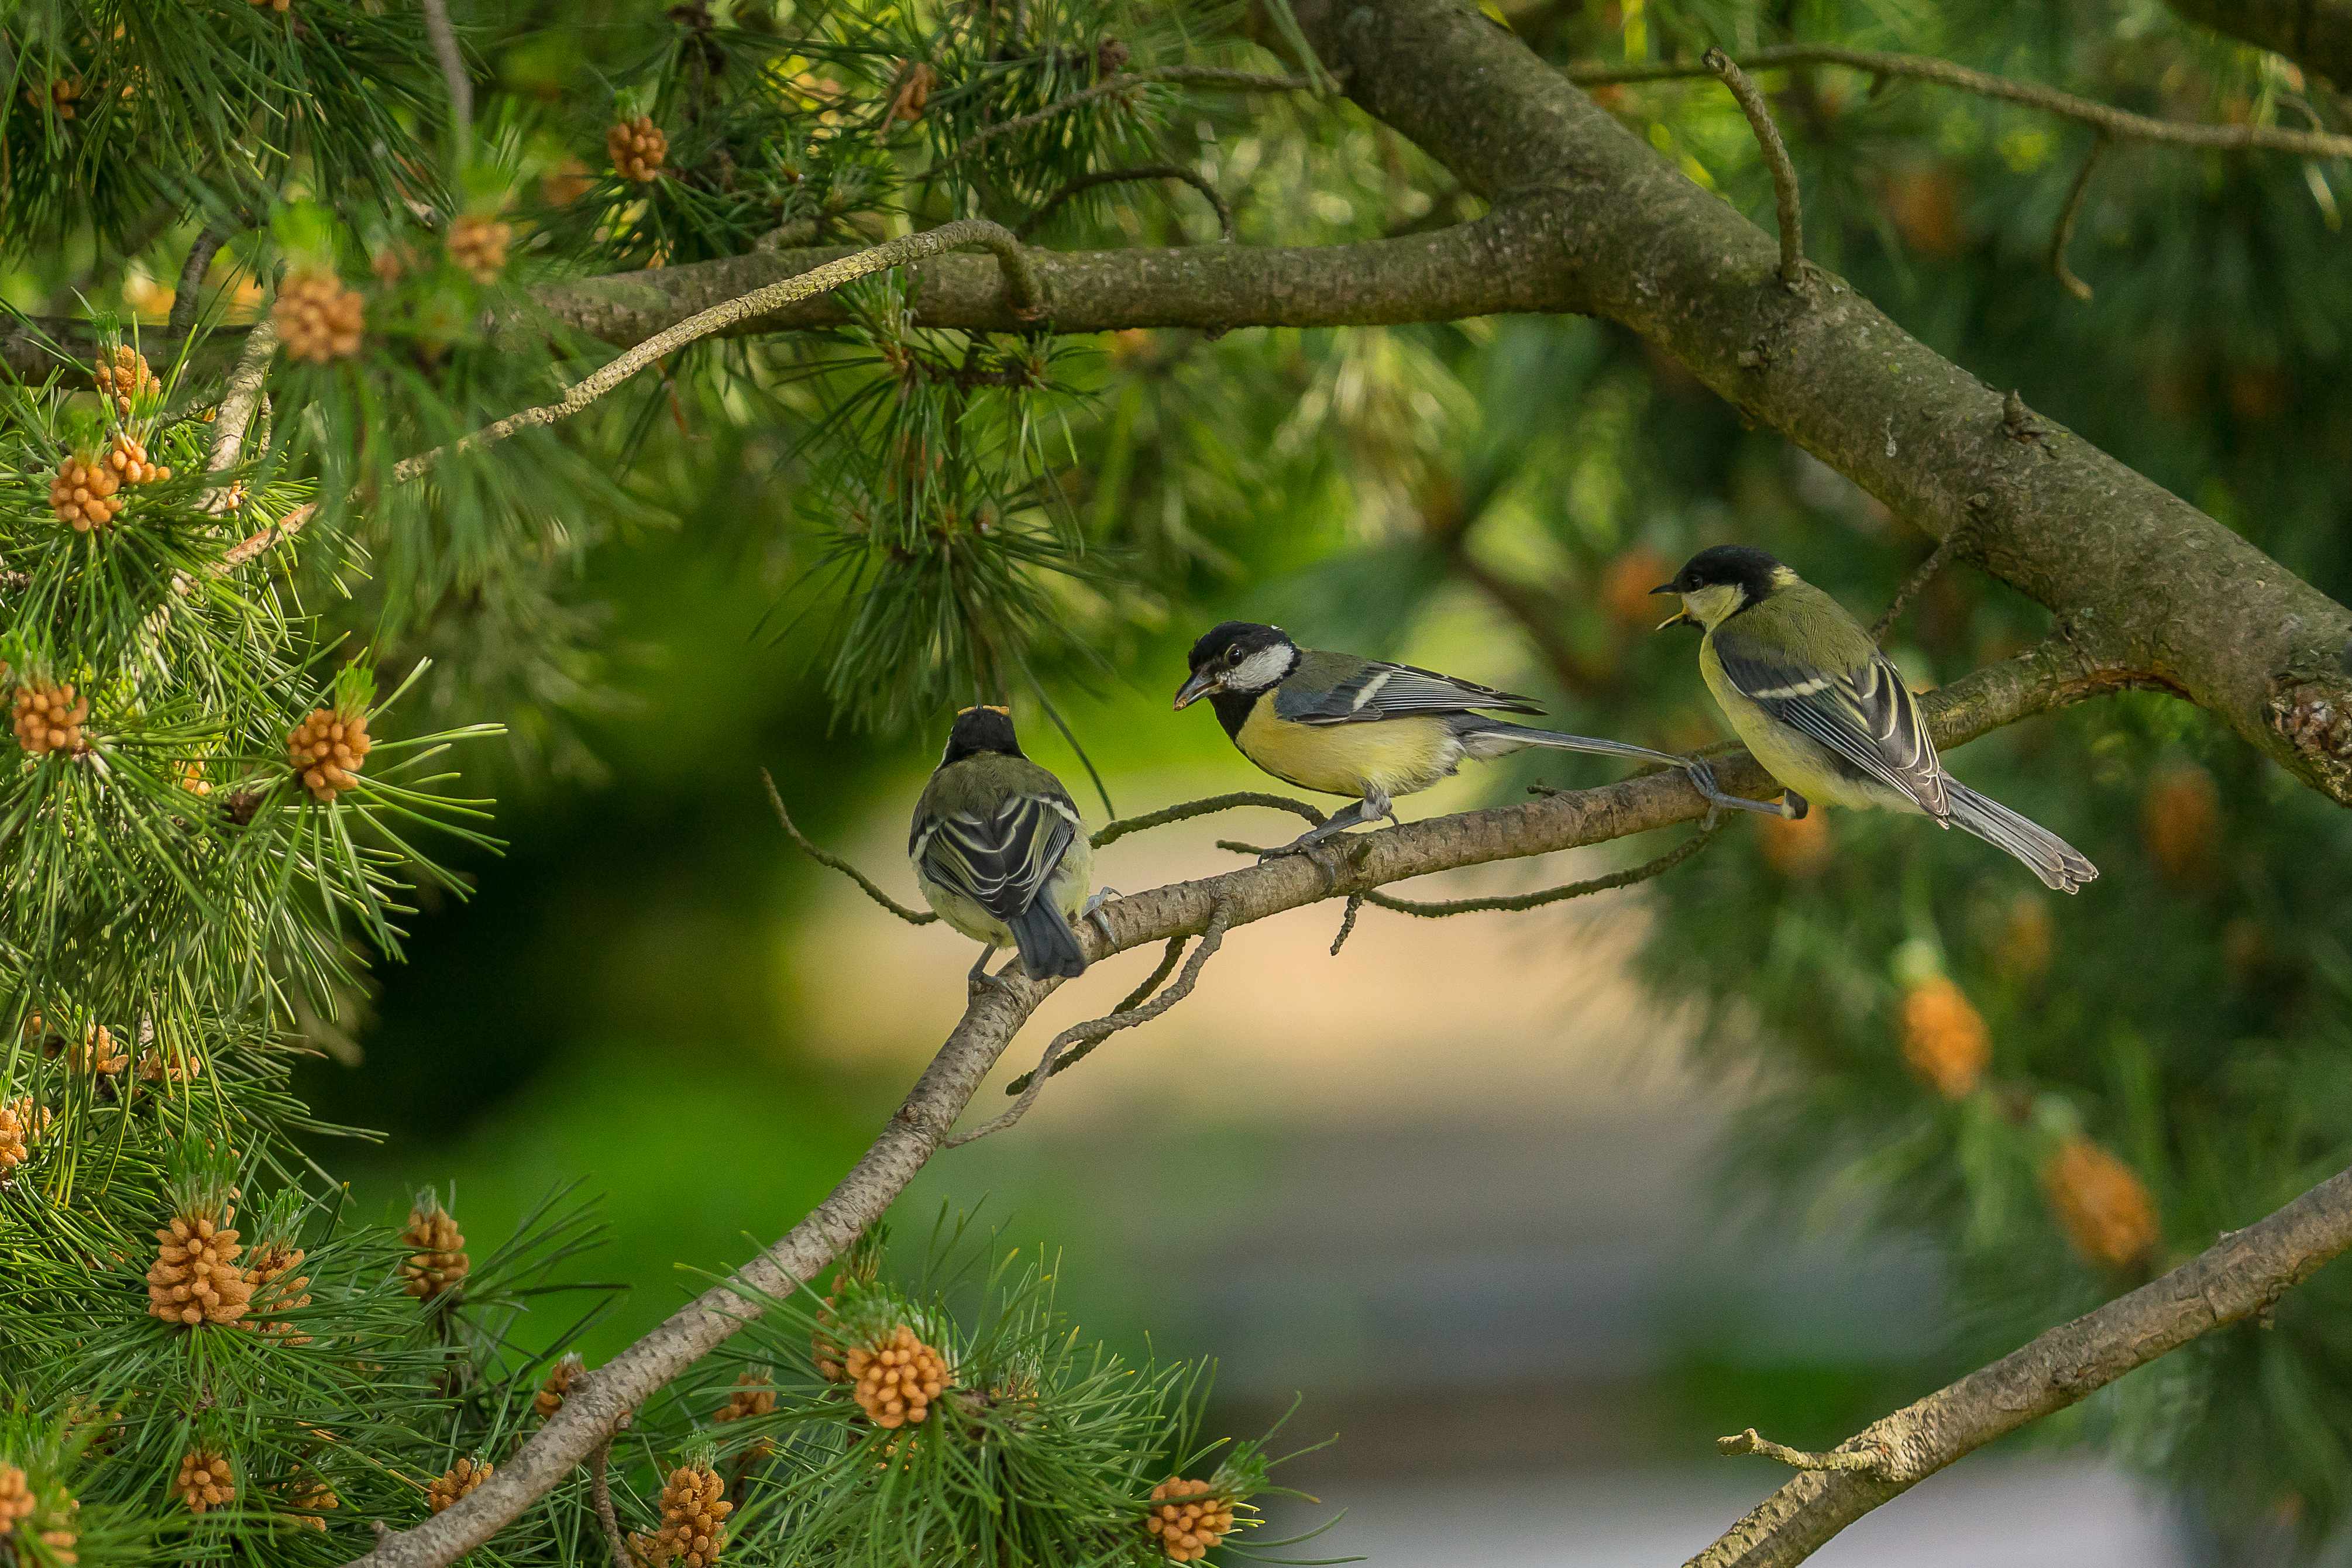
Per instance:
(327,748)
(1797,847)
(478,245)
(2181,823)
(1189,1518)
(192,772)
(912,92)
(898,1379)
(2029,937)
(16,1497)
(281,7)
(637,148)
(127,459)
(693,1509)
(170,1064)
(125,376)
(440,1261)
(97,1052)
(196,1277)
(49,718)
(60,95)
(823,1348)
(277,1288)
(311,1500)
(1625,585)
(206,1479)
(21,1125)
(317,319)
(752,1397)
(82,493)
(460,1479)
(1944,1038)
(550,1397)
(2101,1204)
(566,183)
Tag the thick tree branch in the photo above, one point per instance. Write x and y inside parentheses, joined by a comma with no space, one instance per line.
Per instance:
(2314,34)
(2241,1276)
(1567,820)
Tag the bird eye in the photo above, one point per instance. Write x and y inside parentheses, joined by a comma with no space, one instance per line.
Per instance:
(1234,654)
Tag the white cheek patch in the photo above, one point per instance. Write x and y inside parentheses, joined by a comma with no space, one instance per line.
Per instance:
(1260,669)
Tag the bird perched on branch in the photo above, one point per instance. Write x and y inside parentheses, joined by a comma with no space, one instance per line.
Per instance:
(999,850)
(1827,713)
(1343,725)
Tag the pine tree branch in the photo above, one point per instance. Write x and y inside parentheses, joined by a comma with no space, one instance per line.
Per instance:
(873,890)
(1785,194)
(923,1123)
(2241,1276)
(452,60)
(2063,234)
(186,297)
(2121,124)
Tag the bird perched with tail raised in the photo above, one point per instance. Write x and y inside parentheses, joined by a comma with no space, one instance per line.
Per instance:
(1827,713)
(1343,725)
(999,850)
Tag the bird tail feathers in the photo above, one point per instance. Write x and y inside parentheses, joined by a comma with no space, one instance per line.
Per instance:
(2058,863)
(1497,737)
(1048,946)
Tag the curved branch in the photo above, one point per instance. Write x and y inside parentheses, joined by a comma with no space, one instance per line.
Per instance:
(923,1123)
(2120,123)
(2063,233)
(1786,198)
(826,858)
(2239,1276)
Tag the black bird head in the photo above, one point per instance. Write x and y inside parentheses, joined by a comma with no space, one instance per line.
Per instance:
(1724,577)
(979,730)
(1238,655)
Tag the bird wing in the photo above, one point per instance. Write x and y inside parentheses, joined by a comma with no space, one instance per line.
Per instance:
(1864,715)
(1376,690)
(1000,860)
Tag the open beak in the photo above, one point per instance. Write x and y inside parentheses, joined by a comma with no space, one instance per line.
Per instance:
(1679,618)
(1203,682)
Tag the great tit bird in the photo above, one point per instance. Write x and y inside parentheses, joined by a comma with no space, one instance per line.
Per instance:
(999,850)
(1343,725)
(1827,713)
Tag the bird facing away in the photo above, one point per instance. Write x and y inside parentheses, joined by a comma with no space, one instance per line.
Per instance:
(1338,724)
(1827,713)
(999,850)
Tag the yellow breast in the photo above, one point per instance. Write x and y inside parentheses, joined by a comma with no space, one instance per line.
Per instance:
(1396,756)
(1797,763)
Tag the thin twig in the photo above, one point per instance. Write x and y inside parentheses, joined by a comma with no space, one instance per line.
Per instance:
(453,71)
(239,398)
(1210,77)
(1111,832)
(1927,572)
(600,1490)
(1748,1442)
(2064,235)
(1192,177)
(1082,1038)
(1022,287)
(2119,123)
(1348,921)
(200,252)
(255,544)
(1168,957)
(1776,157)
(1658,866)
(826,858)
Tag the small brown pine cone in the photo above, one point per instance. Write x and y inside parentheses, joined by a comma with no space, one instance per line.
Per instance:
(327,748)
(638,148)
(97,1052)
(317,319)
(752,1397)
(898,1379)
(566,183)
(1945,1041)
(16,1497)
(912,92)
(311,1500)
(823,1348)
(281,7)
(1625,584)
(440,1262)
(82,493)
(21,1125)
(1797,847)
(196,1277)
(123,376)
(170,1064)
(128,460)
(2101,1204)
(694,1507)
(61,95)
(1189,1518)
(550,1397)
(48,718)
(456,1481)
(1111,56)
(2181,823)
(206,1479)
(478,245)
(192,772)
(277,1288)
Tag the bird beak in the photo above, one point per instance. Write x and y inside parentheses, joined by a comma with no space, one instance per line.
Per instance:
(1203,682)
(1676,619)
